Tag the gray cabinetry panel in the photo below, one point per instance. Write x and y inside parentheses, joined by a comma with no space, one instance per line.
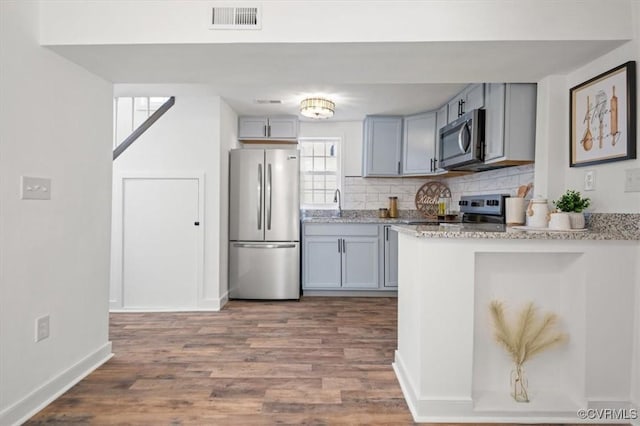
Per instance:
(360,262)
(390,257)
(382,146)
(252,127)
(322,262)
(510,123)
(283,127)
(419,144)
(277,128)
(494,121)
(341,256)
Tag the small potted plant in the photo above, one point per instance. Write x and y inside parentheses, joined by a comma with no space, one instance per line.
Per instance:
(572,202)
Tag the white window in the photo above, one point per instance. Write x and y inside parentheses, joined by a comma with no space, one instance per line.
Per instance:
(129,113)
(319,172)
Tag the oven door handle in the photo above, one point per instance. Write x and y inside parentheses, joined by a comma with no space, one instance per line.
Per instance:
(464,138)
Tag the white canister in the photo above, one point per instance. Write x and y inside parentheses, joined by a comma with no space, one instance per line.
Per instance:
(559,221)
(515,210)
(538,213)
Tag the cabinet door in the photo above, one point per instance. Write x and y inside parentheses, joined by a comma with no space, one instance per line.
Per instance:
(474,97)
(454,109)
(390,257)
(494,121)
(382,146)
(252,127)
(418,145)
(283,128)
(441,121)
(360,262)
(321,258)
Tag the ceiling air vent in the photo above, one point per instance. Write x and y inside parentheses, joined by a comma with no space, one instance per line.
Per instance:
(247,17)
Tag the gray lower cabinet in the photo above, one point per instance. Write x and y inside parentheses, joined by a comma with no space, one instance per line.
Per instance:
(390,256)
(322,262)
(340,256)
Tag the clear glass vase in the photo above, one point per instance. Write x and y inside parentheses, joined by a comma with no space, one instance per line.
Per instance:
(519,384)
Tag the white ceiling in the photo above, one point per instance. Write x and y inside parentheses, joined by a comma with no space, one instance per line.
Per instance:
(362,78)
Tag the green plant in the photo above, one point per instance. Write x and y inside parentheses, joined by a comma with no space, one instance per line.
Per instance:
(571,201)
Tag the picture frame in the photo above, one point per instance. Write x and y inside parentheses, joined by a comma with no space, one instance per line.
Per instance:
(602,113)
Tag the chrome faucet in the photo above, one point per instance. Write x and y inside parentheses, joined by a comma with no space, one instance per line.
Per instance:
(337,198)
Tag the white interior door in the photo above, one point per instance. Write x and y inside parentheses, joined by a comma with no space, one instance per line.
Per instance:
(161,243)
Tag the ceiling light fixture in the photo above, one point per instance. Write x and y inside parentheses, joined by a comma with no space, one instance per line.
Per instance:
(317,108)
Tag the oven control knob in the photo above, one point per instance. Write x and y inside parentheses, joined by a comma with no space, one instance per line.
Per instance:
(462,203)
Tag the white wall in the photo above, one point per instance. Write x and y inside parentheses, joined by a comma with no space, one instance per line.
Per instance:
(553,174)
(55,122)
(185,139)
(228,141)
(109,22)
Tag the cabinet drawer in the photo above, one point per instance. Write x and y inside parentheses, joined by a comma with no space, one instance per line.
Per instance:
(341,229)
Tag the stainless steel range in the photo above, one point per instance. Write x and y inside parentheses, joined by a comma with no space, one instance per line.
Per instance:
(486,208)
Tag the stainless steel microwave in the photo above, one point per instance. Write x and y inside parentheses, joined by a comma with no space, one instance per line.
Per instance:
(461,142)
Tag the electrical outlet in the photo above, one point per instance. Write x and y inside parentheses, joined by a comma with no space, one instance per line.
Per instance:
(632,180)
(33,188)
(42,328)
(590,180)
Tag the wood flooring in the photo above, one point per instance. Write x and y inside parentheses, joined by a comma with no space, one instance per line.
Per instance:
(317,361)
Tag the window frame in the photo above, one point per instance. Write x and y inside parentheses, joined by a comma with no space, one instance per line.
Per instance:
(337,141)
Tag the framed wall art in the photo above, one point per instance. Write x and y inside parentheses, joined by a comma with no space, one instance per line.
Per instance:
(603,118)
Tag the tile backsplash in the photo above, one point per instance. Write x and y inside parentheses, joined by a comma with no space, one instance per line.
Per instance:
(373,193)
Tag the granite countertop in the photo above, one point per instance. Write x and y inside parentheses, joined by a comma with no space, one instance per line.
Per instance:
(601,226)
(365,216)
(502,232)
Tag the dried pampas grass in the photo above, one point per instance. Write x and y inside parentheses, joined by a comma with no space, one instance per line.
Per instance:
(530,336)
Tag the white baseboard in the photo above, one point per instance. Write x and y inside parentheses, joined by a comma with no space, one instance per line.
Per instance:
(447,410)
(27,407)
(204,305)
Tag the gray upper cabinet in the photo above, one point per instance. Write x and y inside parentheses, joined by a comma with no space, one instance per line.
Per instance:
(382,146)
(268,128)
(510,123)
(419,144)
(472,97)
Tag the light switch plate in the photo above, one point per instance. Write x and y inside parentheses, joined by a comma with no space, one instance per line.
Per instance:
(42,328)
(590,180)
(34,188)
(632,180)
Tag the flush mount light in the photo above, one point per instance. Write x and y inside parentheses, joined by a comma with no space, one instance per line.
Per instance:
(317,108)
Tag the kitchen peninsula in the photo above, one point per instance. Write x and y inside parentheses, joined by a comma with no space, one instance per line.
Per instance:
(448,364)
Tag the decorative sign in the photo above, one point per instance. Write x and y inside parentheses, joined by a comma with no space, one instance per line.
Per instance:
(428,196)
(603,118)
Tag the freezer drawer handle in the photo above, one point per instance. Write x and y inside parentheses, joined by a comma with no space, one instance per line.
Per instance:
(259,196)
(264,246)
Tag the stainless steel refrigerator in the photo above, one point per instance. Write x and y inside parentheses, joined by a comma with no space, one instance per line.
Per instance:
(264,224)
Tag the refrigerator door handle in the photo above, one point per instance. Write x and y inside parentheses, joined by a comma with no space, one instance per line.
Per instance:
(259,196)
(269,191)
(263,246)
